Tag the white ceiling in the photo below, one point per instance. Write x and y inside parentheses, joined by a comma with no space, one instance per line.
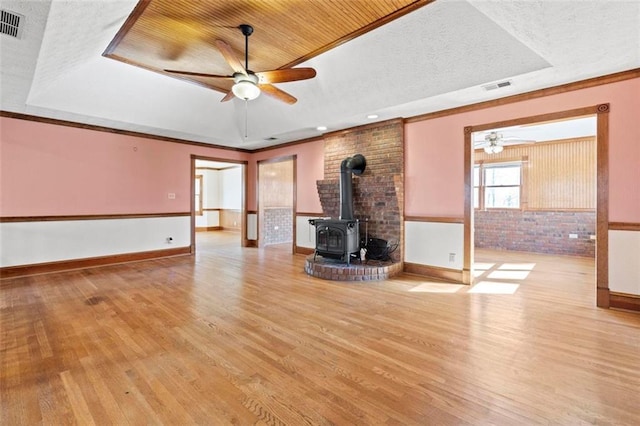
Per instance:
(543,132)
(435,58)
(215,164)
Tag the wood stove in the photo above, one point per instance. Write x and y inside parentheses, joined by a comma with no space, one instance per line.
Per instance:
(336,238)
(340,238)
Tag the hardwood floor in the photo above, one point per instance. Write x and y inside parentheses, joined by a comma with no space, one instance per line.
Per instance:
(244,336)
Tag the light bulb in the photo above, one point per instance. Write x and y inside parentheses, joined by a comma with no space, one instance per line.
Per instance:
(246,90)
(493,149)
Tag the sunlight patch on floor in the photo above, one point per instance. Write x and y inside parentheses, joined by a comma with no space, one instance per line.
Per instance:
(518,266)
(480,268)
(436,288)
(490,287)
(483,266)
(503,271)
(508,275)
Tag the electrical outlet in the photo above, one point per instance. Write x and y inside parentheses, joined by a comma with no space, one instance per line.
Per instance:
(171,195)
(452,257)
(169,240)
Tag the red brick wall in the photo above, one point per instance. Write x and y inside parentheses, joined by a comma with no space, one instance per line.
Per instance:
(278,225)
(378,193)
(536,231)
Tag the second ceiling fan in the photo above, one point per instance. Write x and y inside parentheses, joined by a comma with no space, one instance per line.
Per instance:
(494,142)
(248,84)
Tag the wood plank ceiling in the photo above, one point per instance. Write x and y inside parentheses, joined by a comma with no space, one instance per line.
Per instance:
(180,34)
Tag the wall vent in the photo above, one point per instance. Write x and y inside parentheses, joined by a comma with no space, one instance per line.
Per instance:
(499,85)
(11,23)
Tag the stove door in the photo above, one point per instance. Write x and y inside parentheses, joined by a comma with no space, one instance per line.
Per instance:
(330,240)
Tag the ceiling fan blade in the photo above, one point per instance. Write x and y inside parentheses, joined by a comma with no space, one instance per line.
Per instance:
(230,57)
(280,95)
(228,96)
(200,74)
(285,75)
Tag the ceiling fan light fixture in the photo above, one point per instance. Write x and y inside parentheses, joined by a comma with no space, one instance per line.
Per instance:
(493,137)
(246,90)
(493,149)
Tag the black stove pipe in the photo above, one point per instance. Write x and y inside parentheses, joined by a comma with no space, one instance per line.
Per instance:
(355,165)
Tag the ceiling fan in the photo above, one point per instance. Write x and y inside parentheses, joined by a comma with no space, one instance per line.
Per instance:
(248,84)
(494,142)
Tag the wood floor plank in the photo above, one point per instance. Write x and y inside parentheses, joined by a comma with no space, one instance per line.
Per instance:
(238,335)
(77,400)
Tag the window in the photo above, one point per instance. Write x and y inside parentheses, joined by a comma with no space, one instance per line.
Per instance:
(497,185)
(198,195)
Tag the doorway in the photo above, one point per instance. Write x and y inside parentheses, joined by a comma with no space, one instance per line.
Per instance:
(506,194)
(218,189)
(277,203)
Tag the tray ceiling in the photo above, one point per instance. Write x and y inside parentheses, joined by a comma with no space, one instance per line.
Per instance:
(181,34)
(433,58)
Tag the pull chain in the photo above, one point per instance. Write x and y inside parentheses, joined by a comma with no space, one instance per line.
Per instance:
(246,118)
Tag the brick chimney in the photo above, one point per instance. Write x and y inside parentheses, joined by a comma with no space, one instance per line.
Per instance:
(378,193)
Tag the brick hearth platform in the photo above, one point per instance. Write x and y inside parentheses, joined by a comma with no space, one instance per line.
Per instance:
(330,269)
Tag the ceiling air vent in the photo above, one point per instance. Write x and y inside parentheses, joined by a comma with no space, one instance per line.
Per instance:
(10,23)
(494,86)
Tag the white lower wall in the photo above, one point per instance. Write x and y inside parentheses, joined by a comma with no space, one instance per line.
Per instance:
(252,226)
(25,243)
(213,218)
(305,232)
(624,262)
(208,219)
(430,243)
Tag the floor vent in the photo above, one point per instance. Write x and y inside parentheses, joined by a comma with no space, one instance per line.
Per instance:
(494,86)
(10,23)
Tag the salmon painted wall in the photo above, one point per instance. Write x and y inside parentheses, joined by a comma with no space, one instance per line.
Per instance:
(55,170)
(434,163)
(434,150)
(50,170)
(310,168)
